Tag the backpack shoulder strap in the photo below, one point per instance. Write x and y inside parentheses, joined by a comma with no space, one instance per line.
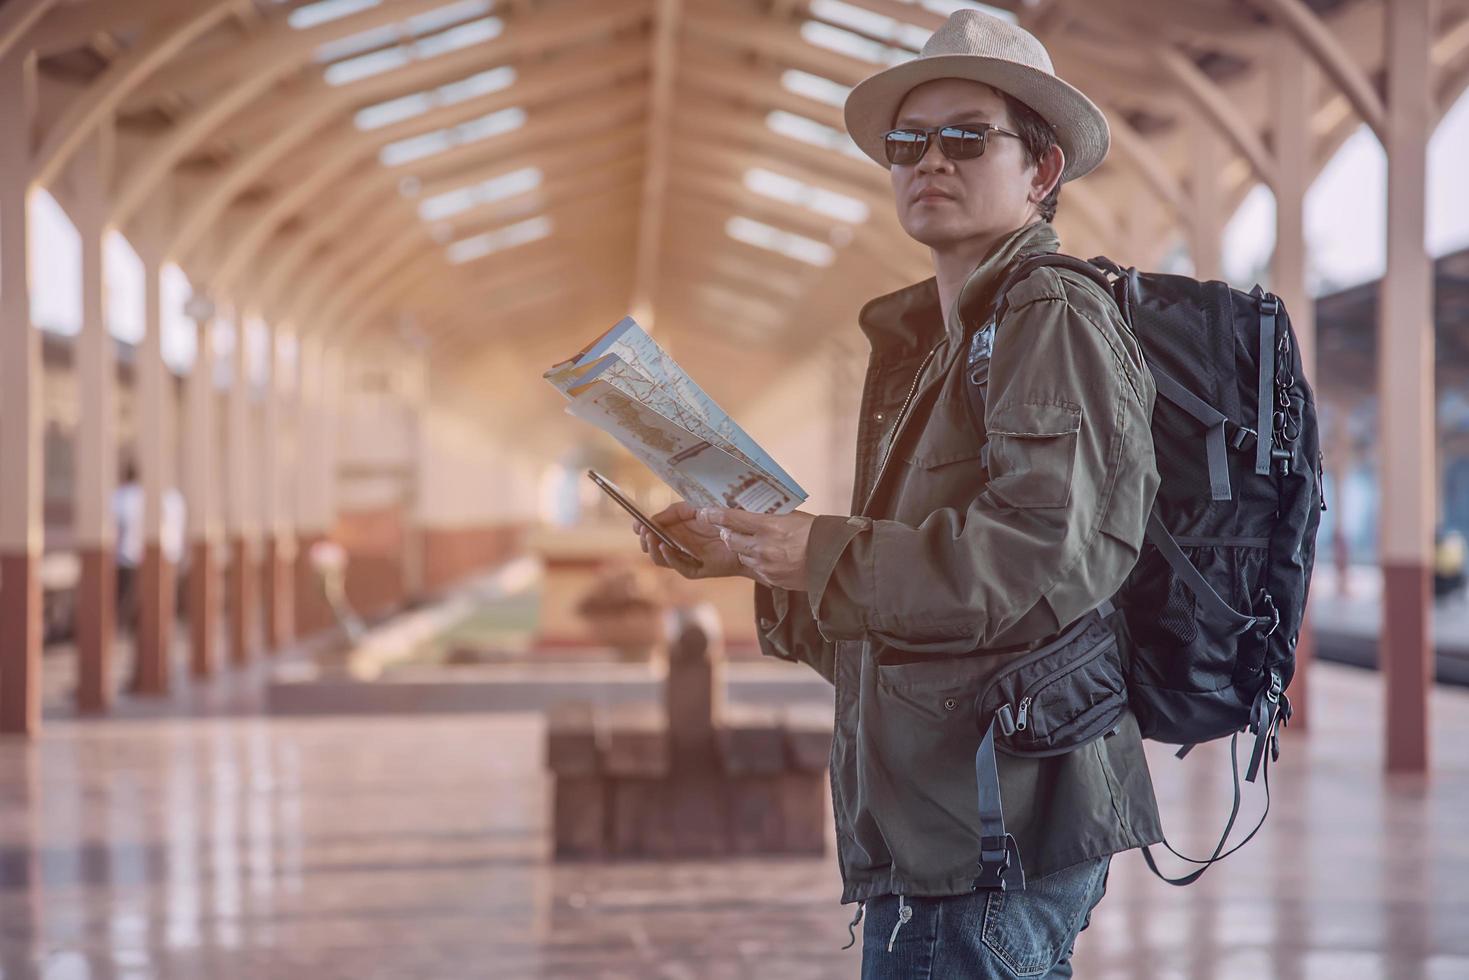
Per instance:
(1056,260)
(978,367)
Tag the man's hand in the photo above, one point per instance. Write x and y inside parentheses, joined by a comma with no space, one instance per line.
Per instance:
(682,523)
(771,548)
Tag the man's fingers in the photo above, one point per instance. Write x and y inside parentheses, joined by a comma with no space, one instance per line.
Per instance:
(740,544)
(735,519)
(676,513)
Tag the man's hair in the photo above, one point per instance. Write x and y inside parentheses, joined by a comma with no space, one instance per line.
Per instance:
(1037,136)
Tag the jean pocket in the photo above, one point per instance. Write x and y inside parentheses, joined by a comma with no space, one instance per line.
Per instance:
(1031,930)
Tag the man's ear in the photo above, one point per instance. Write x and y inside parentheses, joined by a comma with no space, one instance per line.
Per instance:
(1047,174)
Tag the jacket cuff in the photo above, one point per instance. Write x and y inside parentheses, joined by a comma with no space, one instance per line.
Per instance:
(837,583)
(772,606)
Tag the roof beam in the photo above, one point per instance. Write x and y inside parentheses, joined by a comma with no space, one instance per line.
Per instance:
(1317,40)
(17,17)
(655,174)
(347,292)
(274,53)
(1218,108)
(783,42)
(263,223)
(372,196)
(540,86)
(102,97)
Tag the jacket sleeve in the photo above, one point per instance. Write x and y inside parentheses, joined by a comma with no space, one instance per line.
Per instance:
(788,631)
(1060,523)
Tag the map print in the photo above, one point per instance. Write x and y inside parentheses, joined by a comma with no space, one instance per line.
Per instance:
(628,386)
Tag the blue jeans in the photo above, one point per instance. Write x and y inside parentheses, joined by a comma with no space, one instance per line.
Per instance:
(983,935)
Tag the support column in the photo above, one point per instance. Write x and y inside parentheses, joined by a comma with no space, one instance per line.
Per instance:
(1405,385)
(415,503)
(203,522)
(1206,195)
(96,438)
(20,415)
(311,610)
(1293,91)
(153,664)
(241,488)
(280,543)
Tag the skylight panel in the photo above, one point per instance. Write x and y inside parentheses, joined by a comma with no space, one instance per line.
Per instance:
(521,233)
(327,10)
(947,7)
(408,106)
(866,21)
(394,110)
(428,46)
(772,239)
(788,190)
(345,47)
(428,144)
(474,32)
(451,13)
(852,45)
(356,69)
(812,132)
(814,87)
(497,188)
(482,83)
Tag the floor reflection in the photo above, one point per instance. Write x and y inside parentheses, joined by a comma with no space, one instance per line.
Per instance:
(243,847)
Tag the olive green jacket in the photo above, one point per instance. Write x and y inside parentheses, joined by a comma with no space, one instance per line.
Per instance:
(939,578)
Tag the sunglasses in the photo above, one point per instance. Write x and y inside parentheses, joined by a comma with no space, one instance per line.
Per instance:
(959,142)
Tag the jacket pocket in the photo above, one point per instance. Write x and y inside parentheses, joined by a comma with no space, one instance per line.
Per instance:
(920,734)
(1060,696)
(1032,453)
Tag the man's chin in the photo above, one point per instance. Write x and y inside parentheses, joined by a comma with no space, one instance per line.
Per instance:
(939,237)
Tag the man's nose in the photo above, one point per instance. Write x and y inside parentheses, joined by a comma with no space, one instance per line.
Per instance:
(933,158)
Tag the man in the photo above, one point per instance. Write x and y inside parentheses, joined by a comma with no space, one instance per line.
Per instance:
(957,557)
(128,520)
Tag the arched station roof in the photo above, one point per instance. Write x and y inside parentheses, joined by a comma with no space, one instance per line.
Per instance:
(468,167)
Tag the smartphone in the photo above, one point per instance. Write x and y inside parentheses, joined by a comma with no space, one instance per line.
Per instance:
(612,491)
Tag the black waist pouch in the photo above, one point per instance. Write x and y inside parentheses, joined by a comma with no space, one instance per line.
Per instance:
(1062,695)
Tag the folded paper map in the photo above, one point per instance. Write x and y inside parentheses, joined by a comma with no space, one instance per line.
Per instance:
(630,388)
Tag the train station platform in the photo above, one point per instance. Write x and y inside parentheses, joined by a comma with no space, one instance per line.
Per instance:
(198,836)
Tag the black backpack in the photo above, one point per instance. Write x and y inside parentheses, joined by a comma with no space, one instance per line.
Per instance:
(1212,610)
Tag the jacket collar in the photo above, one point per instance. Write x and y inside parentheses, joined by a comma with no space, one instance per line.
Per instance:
(909,322)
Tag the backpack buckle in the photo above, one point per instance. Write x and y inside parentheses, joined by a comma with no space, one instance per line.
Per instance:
(1241,437)
(1269,623)
(999,865)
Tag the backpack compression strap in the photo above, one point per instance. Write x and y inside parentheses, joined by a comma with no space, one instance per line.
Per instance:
(1237,622)
(1276,717)
(999,856)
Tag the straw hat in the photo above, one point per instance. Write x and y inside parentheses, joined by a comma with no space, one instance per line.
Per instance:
(976,46)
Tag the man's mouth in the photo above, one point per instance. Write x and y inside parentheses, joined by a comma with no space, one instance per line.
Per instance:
(932,194)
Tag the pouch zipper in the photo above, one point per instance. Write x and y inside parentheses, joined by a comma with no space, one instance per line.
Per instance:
(898,427)
(1022,715)
(1022,711)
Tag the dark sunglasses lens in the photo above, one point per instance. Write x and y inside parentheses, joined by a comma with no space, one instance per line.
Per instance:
(905,146)
(961,144)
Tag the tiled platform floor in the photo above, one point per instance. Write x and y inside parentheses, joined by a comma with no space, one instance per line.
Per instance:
(243,847)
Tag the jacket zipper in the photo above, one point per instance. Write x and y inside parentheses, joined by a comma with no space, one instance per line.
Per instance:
(898,427)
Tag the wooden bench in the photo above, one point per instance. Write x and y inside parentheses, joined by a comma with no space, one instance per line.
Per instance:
(692,777)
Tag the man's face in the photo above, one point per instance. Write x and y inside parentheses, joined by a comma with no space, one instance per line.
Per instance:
(941,201)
